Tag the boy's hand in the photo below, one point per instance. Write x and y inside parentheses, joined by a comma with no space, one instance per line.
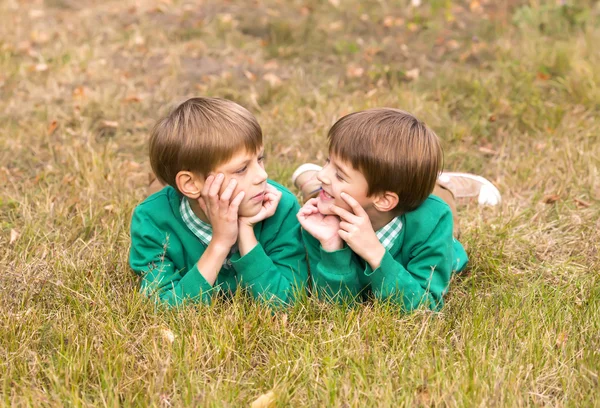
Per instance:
(269,205)
(357,231)
(323,227)
(221,210)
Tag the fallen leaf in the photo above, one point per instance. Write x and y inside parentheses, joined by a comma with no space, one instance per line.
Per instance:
(251,76)
(264,401)
(453,44)
(543,76)
(271,65)
(14,235)
(388,21)
(561,339)
(336,26)
(487,150)
(132,99)
(334,3)
(52,127)
(354,71)
(412,73)
(551,198)
(41,67)
(167,335)
(272,79)
(110,124)
(79,92)
(582,203)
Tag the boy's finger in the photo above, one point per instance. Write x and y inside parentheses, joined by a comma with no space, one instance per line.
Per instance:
(346,226)
(343,214)
(237,201)
(213,191)
(207,183)
(343,235)
(356,207)
(226,196)
(202,205)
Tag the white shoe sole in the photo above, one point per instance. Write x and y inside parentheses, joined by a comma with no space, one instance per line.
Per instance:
(488,195)
(305,167)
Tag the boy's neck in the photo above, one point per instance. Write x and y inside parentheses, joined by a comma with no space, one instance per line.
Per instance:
(197,210)
(380,219)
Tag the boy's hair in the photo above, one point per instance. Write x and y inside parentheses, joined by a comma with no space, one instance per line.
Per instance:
(200,134)
(394,150)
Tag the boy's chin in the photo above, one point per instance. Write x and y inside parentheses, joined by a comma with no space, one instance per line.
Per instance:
(249,210)
(324,208)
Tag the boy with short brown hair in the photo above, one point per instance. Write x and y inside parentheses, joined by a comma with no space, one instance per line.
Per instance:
(219,224)
(375,228)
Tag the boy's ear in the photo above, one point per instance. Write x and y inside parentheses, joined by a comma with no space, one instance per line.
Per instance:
(386,201)
(189,184)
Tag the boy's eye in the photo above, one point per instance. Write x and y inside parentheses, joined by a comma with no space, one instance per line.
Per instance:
(261,158)
(337,175)
(242,170)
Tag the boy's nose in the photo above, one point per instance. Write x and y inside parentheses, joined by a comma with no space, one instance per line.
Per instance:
(322,177)
(261,175)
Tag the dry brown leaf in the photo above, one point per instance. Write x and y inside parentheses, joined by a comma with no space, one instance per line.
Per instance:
(413,73)
(110,124)
(334,3)
(41,67)
(132,99)
(272,79)
(550,198)
(487,150)
(354,71)
(264,401)
(14,235)
(52,127)
(582,203)
(336,26)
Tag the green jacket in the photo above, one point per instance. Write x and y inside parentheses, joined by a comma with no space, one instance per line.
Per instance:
(165,253)
(415,271)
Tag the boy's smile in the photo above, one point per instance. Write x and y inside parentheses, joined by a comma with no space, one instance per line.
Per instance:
(338,176)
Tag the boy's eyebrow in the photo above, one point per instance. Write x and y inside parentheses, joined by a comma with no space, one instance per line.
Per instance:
(341,169)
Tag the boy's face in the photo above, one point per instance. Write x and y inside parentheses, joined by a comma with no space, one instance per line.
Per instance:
(337,177)
(248,169)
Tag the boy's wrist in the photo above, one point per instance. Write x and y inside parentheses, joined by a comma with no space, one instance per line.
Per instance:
(376,256)
(246,239)
(218,247)
(332,244)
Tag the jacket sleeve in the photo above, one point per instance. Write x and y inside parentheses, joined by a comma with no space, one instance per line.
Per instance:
(425,278)
(161,280)
(334,274)
(275,270)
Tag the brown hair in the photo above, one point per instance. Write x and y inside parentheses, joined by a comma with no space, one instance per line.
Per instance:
(394,150)
(200,134)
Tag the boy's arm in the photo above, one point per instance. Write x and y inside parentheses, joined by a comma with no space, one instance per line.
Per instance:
(274,270)
(149,258)
(334,274)
(425,278)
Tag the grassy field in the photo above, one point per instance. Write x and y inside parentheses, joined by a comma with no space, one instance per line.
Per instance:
(513,89)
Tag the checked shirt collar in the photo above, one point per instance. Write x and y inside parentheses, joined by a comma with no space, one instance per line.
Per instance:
(388,233)
(201,229)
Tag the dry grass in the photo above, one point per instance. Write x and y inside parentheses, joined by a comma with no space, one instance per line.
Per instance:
(512,89)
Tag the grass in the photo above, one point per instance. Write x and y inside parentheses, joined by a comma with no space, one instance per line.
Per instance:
(512,88)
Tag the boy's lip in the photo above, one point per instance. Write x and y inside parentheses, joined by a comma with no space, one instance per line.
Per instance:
(325,195)
(260,195)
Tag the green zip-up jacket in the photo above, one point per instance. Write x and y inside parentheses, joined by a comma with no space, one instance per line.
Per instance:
(415,271)
(165,253)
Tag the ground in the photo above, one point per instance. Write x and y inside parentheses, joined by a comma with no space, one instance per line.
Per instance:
(513,90)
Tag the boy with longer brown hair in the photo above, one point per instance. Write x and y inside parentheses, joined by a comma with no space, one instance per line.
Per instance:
(219,224)
(375,228)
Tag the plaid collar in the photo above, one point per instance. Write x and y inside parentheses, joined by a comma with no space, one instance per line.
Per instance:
(200,228)
(388,234)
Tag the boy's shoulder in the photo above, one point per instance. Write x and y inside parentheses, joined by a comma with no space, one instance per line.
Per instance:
(429,213)
(159,204)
